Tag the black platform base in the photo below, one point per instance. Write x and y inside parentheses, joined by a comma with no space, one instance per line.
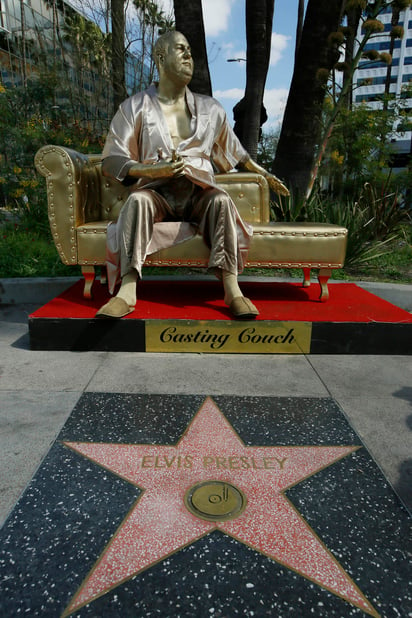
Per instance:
(219,337)
(190,316)
(185,506)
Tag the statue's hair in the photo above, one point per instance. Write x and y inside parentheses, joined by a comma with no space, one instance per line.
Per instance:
(161,45)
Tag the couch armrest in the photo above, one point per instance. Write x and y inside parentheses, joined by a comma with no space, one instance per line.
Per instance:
(73,194)
(250,192)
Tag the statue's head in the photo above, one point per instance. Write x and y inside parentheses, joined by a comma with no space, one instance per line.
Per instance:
(173,57)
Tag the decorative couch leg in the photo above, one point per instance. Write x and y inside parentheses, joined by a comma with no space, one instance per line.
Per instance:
(323,276)
(103,275)
(306,278)
(89,275)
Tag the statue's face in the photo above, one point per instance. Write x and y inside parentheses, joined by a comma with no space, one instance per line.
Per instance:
(177,64)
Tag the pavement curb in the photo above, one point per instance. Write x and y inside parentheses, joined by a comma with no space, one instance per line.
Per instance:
(40,290)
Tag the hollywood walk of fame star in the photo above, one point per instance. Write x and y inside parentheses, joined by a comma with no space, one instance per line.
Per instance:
(211,453)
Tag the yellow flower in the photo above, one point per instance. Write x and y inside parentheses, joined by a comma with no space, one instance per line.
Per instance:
(373,25)
(336,157)
(386,58)
(17,169)
(2,89)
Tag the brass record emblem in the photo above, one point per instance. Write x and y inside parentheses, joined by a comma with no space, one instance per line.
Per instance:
(215,500)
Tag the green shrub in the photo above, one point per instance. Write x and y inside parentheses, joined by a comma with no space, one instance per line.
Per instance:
(27,253)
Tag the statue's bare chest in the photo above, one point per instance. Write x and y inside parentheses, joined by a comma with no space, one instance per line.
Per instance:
(178,120)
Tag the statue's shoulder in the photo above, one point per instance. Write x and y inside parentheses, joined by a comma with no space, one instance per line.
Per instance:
(136,102)
(207,103)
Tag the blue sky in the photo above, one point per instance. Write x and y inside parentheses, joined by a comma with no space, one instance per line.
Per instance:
(226,38)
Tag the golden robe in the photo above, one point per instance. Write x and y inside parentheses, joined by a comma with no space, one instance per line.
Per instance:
(139,133)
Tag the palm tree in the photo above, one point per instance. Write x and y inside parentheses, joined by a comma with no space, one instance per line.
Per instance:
(353,17)
(189,21)
(118,52)
(299,25)
(302,124)
(249,113)
(153,21)
(395,33)
(23,45)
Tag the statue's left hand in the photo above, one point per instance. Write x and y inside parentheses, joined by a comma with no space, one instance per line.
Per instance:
(276,185)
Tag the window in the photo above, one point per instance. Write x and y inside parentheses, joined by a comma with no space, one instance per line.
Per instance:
(376,81)
(3,16)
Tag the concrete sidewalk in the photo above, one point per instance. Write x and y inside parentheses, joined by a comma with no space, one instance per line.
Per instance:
(38,390)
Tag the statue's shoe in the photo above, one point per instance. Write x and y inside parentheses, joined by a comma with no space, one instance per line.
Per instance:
(243,309)
(115,308)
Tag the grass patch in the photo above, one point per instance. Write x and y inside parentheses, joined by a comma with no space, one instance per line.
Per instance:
(26,253)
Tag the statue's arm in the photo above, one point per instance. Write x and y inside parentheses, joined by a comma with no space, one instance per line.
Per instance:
(274,183)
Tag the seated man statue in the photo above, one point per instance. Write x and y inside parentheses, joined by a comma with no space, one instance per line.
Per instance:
(167,142)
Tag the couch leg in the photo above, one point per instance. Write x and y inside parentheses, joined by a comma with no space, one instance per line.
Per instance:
(103,275)
(323,276)
(89,275)
(306,278)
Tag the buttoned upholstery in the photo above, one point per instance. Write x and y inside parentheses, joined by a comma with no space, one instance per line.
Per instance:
(81,202)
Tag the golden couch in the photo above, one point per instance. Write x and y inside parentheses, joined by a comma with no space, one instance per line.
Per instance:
(81,202)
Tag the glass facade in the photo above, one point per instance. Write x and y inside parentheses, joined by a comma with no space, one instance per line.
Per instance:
(49,40)
(370,76)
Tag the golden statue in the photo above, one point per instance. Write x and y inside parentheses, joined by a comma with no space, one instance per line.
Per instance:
(168,142)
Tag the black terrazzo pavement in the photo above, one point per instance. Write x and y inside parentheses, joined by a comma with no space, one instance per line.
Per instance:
(72,507)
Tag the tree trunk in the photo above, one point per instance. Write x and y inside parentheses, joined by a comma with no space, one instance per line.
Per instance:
(394,22)
(250,113)
(189,21)
(353,18)
(302,124)
(118,53)
(299,25)
(23,45)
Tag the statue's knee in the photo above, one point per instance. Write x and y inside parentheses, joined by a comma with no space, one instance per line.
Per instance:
(220,201)
(140,202)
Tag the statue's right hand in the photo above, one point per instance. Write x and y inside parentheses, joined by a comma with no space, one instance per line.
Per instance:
(166,169)
(161,169)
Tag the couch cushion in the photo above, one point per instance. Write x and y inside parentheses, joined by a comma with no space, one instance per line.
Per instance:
(288,245)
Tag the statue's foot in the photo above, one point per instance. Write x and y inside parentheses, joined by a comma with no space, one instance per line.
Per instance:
(243,309)
(115,308)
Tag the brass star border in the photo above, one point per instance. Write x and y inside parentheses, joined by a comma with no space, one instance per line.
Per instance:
(210,453)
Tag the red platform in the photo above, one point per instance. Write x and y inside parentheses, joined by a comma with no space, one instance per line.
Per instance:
(202,300)
(351,321)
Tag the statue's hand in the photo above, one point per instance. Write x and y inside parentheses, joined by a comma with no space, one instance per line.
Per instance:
(166,169)
(161,169)
(276,185)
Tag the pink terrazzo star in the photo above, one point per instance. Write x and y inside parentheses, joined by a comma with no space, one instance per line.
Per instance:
(160,523)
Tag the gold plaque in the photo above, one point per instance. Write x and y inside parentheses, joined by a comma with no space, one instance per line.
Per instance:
(224,336)
(215,500)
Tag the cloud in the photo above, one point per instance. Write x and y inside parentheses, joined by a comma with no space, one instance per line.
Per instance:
(275,103)
(232,93)
(166,6)
(279,44)
(216,15)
